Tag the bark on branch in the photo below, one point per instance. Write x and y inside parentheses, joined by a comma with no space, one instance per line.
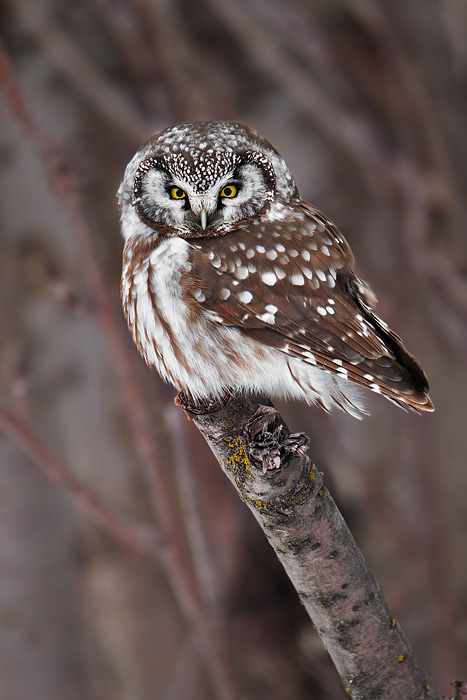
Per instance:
(289,499)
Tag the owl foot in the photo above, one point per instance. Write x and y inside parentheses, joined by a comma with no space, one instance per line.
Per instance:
(200,407)
(269,444)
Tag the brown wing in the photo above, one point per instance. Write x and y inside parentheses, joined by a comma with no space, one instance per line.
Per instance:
(290,285)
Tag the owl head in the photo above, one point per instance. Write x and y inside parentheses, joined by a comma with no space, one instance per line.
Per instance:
(202,179)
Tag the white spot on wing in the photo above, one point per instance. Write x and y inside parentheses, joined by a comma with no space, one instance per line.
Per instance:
(310,357)
(280,273)
(242,272)
(267,318)
(297,279)
(269,278)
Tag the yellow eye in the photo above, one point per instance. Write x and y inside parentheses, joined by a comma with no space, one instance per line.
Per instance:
(177,193)
(229,191)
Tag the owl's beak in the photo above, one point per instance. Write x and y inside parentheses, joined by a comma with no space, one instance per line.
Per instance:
(202,208)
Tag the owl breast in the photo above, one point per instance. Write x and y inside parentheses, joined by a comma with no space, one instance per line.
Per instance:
(191,347)
(185,345)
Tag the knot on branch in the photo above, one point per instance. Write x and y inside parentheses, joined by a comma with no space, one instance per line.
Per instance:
(270,445)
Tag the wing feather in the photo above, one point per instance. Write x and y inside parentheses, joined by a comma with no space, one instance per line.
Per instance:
(292,287)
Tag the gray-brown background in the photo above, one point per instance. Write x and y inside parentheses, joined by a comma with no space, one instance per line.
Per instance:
(367,103)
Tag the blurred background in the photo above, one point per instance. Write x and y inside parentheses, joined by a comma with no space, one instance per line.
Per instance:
(366,100)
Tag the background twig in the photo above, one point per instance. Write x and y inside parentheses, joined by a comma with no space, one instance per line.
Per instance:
(63,185)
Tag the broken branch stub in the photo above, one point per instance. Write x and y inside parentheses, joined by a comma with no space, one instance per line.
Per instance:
(276,479)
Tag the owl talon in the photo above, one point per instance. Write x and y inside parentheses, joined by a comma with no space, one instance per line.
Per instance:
(200,407)
(268,442)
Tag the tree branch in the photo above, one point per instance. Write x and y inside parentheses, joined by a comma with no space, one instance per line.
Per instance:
(289,499)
